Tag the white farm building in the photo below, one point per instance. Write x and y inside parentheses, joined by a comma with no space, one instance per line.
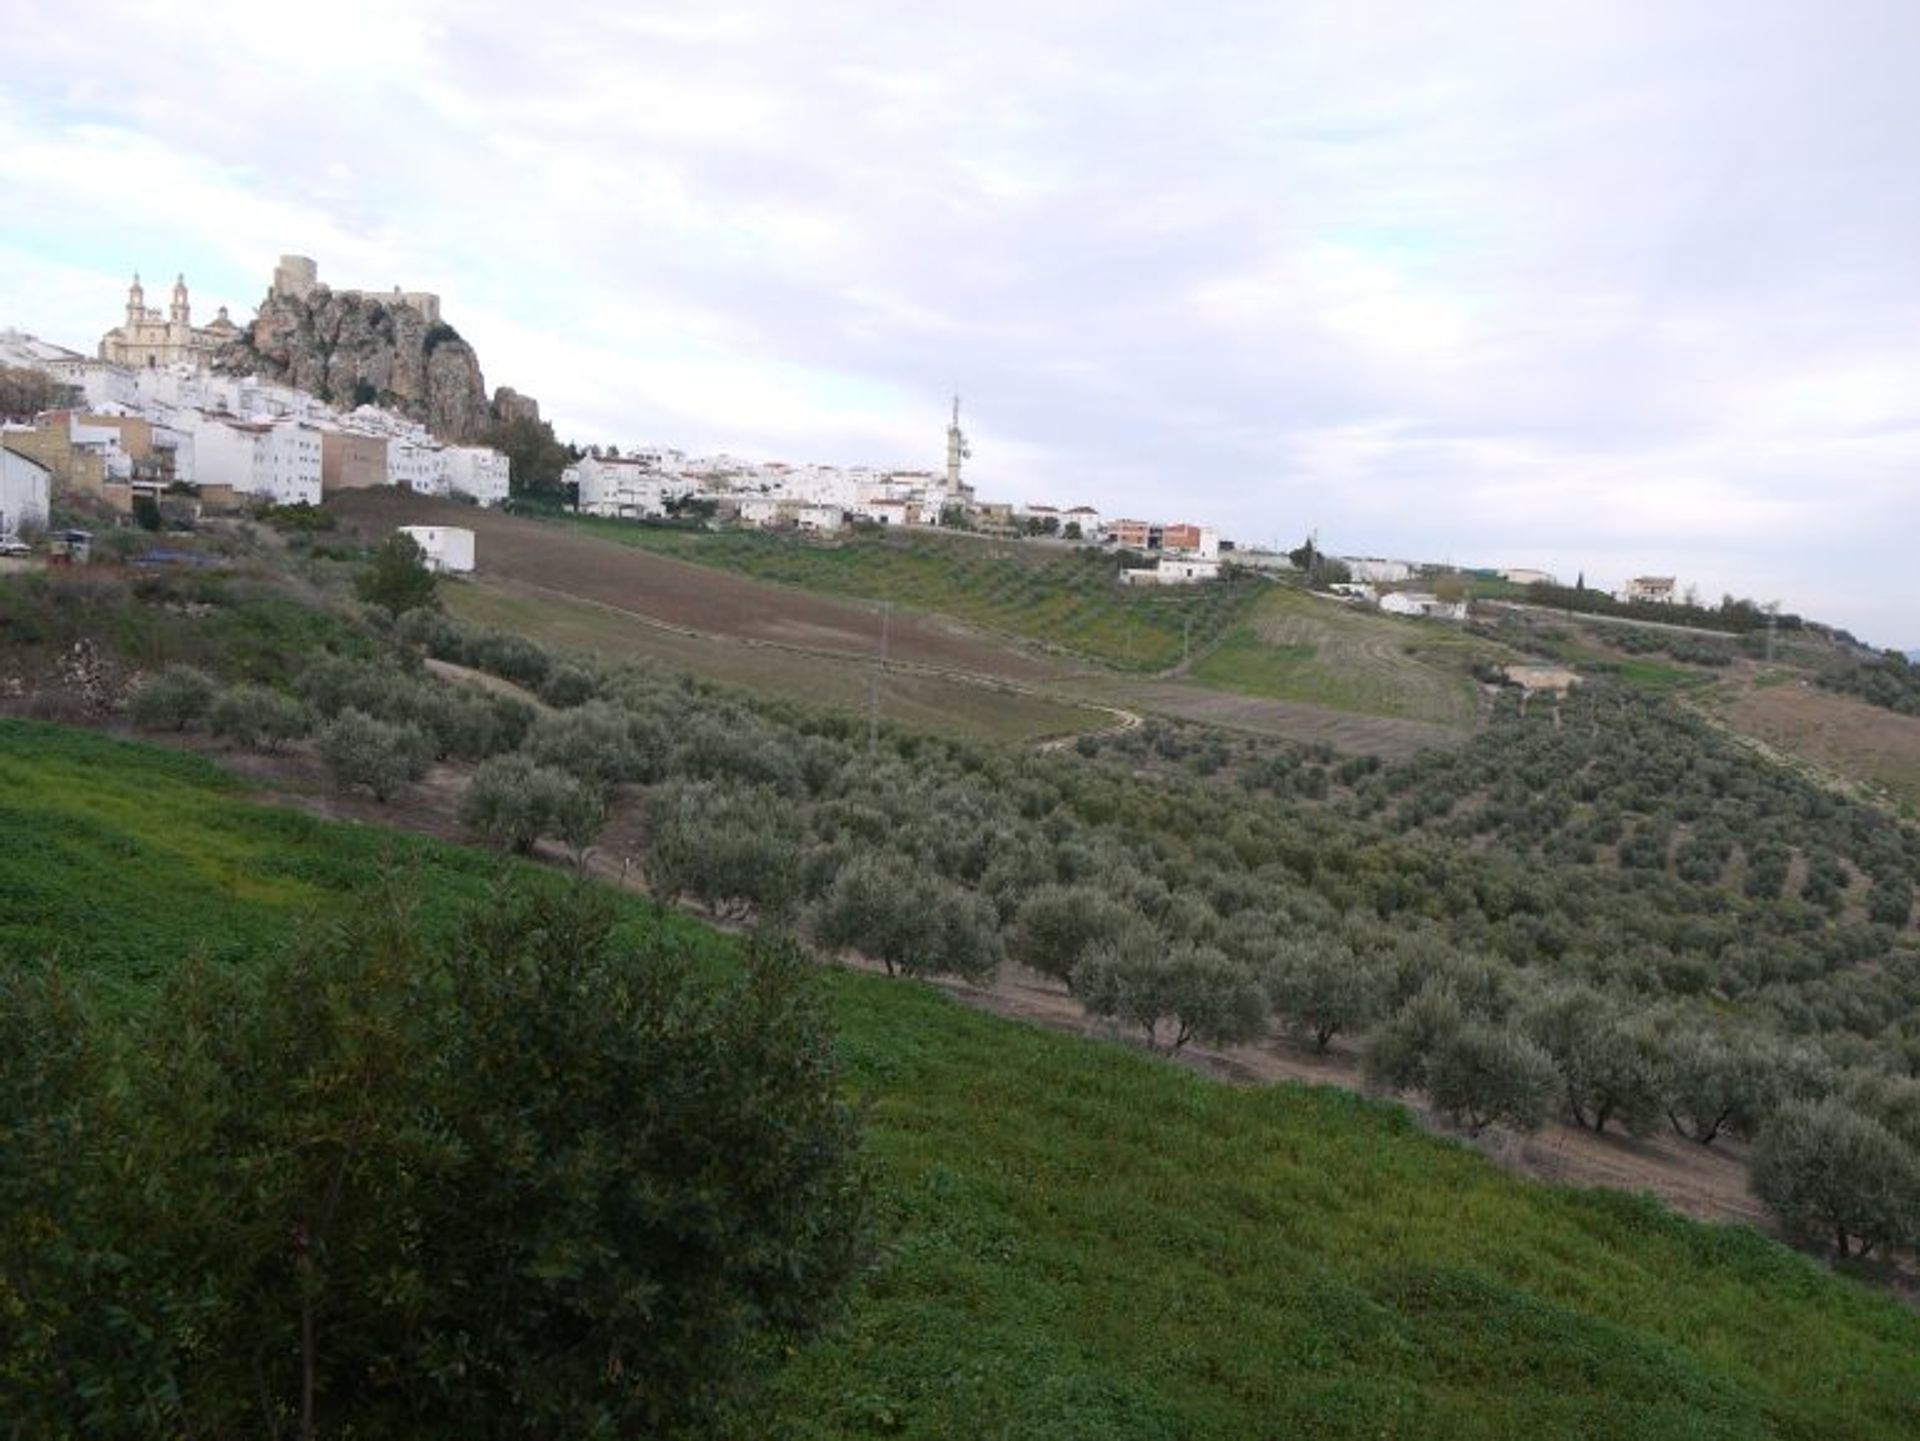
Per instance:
(448,548)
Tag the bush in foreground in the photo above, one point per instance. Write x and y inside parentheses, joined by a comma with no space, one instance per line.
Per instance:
(524,1183)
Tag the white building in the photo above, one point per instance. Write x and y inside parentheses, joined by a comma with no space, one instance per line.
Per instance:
(446,548)
(1423,604)
(1522,575)
(1649,590)
(1173,570)
(477,472)
(274,462)
(1373,568)
(416,465)
(623,487)
(26,490)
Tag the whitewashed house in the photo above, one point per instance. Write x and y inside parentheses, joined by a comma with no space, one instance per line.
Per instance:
(446,549)
(1422,604)
(26,490)
(477,472)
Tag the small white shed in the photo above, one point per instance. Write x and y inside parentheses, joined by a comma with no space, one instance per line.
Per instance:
(448,548)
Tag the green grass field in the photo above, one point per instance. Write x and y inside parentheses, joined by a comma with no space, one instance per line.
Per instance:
(1295,646)
(923,702)
(1068,599)
(1078,1241)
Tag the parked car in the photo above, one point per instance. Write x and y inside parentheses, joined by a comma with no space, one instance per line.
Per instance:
(13,545)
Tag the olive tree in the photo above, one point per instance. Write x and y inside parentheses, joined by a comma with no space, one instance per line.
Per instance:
(1829,1172)
(1194,991)
(909,921)
(256,717)
(1320,988)
(173,699)
(1610,1068)
(1482,1073)
(1056,925)
(373,755)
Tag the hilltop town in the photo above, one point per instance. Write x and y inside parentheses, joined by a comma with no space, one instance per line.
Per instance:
(158,411)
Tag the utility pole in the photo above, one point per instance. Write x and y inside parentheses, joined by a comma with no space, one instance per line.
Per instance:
(873,683)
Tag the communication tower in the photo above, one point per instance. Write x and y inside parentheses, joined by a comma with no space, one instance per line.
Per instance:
(957,451)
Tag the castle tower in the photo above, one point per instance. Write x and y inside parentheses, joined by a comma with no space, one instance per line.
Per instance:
(957,451)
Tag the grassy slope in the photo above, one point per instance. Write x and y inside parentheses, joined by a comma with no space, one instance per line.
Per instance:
(1295,646)
(1061,597)
(1080,1241)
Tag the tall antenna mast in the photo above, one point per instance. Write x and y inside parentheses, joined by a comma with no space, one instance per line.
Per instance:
(957,451)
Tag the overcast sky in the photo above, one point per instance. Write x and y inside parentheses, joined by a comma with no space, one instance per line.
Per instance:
(1622,287)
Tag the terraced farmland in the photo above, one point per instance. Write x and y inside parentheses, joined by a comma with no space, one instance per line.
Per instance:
(1300,647)
(1068,599)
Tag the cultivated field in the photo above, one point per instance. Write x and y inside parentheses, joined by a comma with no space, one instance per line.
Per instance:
(919,700)
(1299,647)
(1388,737)
(1863,743)
(1067,599)
(569,585)
(693,597)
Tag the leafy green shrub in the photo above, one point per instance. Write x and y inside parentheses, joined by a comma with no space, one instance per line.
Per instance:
(173,699)
(398,580)
(524,1182)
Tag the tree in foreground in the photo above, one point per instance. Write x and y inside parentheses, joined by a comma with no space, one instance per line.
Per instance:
(1829,1172)
(520,1183)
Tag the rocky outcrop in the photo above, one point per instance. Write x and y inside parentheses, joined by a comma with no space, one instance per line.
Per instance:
(510,405)
(353,349)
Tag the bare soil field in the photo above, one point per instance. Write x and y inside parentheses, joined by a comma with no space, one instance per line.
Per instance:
(697,598)
(975,707)
(1865,744)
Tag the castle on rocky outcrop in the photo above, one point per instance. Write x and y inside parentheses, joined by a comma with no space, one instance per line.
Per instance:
(147,339)
(296,277)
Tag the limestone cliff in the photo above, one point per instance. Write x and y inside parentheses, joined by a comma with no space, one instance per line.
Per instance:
(350,349)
